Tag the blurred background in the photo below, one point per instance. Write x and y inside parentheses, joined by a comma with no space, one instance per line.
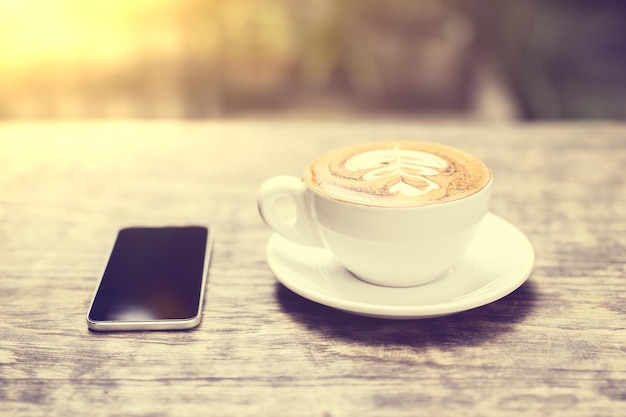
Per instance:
(199,59)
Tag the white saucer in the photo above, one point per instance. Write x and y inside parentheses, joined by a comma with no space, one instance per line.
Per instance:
(499,261)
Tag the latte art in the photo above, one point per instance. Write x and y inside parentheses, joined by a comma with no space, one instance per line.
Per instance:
(405,170)
(406,174)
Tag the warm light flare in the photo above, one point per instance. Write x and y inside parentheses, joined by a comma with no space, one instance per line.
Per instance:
(64,32)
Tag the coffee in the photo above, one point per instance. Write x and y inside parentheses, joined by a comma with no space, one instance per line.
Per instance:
(397,174)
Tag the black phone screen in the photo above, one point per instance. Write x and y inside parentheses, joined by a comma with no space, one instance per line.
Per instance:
(153,273)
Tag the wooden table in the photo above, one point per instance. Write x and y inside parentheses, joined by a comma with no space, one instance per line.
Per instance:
(554,347)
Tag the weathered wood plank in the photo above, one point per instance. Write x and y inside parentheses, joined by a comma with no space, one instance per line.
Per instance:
(556,346)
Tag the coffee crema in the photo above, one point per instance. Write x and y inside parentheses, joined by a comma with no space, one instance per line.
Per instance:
(397,174)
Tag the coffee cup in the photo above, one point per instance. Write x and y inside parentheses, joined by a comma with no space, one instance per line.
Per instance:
(395,214)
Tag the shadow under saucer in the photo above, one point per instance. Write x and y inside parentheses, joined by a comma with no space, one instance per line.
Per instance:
(469,328)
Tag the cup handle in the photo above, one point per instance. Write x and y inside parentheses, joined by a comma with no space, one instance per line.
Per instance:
(300,228)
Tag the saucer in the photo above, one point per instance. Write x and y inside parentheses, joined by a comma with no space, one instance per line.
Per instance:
(499,261)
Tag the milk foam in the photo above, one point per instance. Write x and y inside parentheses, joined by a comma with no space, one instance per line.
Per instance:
(405,170)
(405,174)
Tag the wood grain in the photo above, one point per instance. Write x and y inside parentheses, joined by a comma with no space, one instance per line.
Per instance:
(555,347)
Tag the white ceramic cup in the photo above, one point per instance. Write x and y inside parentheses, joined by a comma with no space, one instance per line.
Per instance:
(388,246)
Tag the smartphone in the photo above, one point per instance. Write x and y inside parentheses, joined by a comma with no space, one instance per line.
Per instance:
(154,280)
